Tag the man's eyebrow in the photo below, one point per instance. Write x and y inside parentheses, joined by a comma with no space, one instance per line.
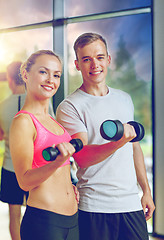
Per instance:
(85,57)
(99,55)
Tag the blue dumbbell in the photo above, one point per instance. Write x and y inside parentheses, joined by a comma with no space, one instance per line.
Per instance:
(113,130)
(50,153)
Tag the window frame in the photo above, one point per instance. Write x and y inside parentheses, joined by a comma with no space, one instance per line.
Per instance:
(59,24)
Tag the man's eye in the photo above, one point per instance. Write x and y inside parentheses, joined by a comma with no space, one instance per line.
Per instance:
(100,58)
(86,60)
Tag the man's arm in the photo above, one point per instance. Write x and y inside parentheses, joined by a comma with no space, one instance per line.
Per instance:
(68,117)
(93,154)
(147,201)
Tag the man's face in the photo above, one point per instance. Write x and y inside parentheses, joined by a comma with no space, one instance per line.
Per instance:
(93,62)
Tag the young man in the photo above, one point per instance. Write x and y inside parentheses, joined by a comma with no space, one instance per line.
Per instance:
(109,208)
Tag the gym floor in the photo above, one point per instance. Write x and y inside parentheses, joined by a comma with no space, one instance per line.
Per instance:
(4,223)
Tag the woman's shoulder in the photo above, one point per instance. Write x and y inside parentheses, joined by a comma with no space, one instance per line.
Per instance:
(22,121)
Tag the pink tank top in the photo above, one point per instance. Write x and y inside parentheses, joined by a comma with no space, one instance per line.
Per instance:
(45,139)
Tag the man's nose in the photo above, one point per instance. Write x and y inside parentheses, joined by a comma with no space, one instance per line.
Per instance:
(94,63)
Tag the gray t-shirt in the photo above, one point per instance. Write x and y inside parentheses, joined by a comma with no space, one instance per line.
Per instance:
(109,186)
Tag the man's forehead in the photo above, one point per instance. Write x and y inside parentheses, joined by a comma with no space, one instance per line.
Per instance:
(96,48)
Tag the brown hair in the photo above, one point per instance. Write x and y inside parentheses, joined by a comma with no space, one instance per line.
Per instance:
(87,38)
(13,72)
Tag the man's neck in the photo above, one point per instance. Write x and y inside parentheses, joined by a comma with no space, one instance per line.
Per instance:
(95,90)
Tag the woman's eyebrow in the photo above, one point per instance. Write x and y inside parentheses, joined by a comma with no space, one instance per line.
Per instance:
(50,69)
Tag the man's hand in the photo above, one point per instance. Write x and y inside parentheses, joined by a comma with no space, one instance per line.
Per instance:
(76,193)
(148,205)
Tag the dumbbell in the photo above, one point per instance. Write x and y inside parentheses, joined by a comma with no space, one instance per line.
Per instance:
(50,153)
(113,130)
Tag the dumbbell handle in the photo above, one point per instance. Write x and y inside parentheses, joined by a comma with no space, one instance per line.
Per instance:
(50,153)
(139,129)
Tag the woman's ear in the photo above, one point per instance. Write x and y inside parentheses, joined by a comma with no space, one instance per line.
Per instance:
(77,65)
(24,75)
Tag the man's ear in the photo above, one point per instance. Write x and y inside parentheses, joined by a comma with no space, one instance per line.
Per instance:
(77,65)
(109,59)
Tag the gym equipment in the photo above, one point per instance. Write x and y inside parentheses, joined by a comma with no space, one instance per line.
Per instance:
(113,130)
(50,153)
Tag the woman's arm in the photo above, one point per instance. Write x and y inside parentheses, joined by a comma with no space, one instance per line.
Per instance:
(22,136)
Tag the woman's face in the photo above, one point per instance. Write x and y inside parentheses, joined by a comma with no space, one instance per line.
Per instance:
(43,79)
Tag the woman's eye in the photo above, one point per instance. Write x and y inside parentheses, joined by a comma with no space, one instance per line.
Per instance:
(42,71)
(57,76)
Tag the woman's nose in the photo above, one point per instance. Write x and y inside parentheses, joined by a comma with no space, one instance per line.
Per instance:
(50,78)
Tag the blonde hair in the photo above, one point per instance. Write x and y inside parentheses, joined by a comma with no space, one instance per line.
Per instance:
(32,59)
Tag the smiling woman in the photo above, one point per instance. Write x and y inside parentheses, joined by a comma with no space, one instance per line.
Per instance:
(34,129)
(42,74)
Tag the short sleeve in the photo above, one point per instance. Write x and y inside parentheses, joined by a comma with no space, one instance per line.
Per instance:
(69,117)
